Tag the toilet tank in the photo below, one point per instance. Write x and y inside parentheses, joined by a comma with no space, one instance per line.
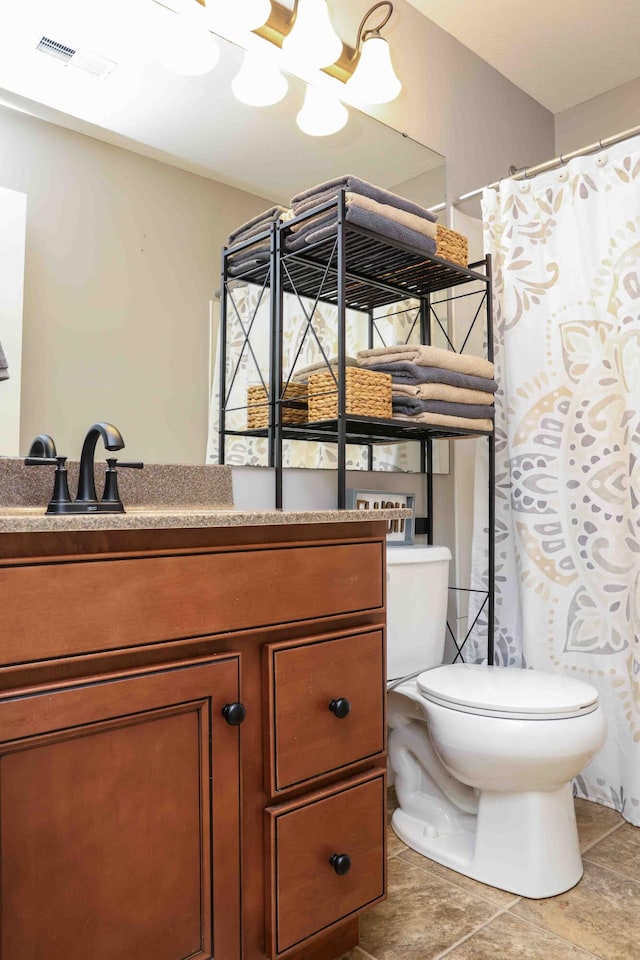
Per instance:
(417,585)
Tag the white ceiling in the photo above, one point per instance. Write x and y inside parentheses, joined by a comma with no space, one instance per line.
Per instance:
(561,52)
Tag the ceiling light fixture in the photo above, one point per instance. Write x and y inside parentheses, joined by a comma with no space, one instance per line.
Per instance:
(310,48)
(374,80)
(322,114)
(259,82)
(312,42)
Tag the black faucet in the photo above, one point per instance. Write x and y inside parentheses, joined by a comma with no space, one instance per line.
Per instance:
(86,479)
(43,452)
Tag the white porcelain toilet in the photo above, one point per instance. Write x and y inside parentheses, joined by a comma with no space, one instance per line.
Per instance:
(482,757)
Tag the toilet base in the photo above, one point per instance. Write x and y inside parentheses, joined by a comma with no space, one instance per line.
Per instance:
(524,843)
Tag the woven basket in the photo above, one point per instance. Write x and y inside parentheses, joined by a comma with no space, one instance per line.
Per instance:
(258,406)
(452,246)
(368,394)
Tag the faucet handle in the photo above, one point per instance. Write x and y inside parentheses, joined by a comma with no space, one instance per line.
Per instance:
(60,496)
(111,493)
(42,461)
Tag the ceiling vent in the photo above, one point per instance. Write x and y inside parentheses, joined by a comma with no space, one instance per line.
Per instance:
(77,58)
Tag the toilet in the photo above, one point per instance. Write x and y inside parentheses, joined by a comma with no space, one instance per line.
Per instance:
(482,756)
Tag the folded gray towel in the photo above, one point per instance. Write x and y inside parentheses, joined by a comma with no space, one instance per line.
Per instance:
(419,224)
(470,411)
(356,185)
(369,221)
(403,371)
(237,269)
(4,366)
(260,250)
(262,220)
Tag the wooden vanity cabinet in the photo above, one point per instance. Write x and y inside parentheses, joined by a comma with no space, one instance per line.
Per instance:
(136,822)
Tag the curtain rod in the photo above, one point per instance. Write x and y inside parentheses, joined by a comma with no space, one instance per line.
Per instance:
(528,172)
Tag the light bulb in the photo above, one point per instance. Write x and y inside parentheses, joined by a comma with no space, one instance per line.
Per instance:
(321,114)
(312,43)
(374,79)
(238,15)
(259,82)
(188,48)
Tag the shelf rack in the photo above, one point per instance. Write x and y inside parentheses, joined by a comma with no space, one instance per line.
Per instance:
(354,269)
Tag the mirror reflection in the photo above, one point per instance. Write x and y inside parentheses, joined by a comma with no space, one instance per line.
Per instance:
(122,260)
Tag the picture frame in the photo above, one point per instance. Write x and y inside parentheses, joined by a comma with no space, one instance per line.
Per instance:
(399,532)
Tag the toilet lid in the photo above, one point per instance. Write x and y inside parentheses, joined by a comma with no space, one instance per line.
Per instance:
(500,691)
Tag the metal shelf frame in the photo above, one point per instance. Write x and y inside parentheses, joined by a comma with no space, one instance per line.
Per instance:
(354,269)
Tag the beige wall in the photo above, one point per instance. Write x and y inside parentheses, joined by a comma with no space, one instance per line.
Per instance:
(122,260)
(603,116)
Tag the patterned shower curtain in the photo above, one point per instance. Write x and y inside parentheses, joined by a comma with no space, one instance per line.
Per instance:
(566,249)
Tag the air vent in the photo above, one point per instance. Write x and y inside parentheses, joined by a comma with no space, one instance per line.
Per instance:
(77,58)
(55,49)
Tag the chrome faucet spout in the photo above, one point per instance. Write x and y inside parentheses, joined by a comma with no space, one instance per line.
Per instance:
(112,439)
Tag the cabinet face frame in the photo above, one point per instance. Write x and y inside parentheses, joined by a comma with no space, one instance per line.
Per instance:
(52,717)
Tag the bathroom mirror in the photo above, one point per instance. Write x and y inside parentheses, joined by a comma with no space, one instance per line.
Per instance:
(122,255)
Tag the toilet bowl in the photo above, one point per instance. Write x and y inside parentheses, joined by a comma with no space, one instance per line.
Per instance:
(482,757)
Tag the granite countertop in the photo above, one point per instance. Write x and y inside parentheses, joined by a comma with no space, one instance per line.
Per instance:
(160,497)
(34,520)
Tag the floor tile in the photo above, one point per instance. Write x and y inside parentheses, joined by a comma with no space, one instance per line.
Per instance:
(508,937)
(619,851)
(600,914)
(594,821)
(499,898)
(422,916)
(394,843)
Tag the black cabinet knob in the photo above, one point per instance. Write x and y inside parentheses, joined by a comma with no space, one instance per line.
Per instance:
(234,713)
(341,863)
(341,707)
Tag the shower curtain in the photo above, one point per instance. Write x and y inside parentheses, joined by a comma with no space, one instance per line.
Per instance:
(566,270)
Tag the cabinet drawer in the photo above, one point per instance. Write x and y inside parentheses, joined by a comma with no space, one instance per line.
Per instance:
(310,686)
(306,893)
(164,598)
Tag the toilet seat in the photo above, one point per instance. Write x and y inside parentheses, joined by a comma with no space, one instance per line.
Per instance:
(508,693)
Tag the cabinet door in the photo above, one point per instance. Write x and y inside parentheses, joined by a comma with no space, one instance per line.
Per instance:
(119,835)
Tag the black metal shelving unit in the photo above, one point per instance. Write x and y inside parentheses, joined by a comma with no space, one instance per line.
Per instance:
(360,270)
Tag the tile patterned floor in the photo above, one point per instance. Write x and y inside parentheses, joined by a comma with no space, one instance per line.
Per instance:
(432,912)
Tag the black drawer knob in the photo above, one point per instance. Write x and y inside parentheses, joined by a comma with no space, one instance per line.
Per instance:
(341,707)
(234,713)
(341,863)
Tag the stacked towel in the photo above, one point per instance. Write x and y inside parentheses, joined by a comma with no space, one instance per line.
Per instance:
(257,253)
(368,206)
(436,387)
(4,366)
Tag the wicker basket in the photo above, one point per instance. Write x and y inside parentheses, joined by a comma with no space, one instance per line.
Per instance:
(452,246)
(258,405)
(368,394)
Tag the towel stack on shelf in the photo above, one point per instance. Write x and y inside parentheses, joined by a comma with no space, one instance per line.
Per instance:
(259,252)
(436,387)
(367,206)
